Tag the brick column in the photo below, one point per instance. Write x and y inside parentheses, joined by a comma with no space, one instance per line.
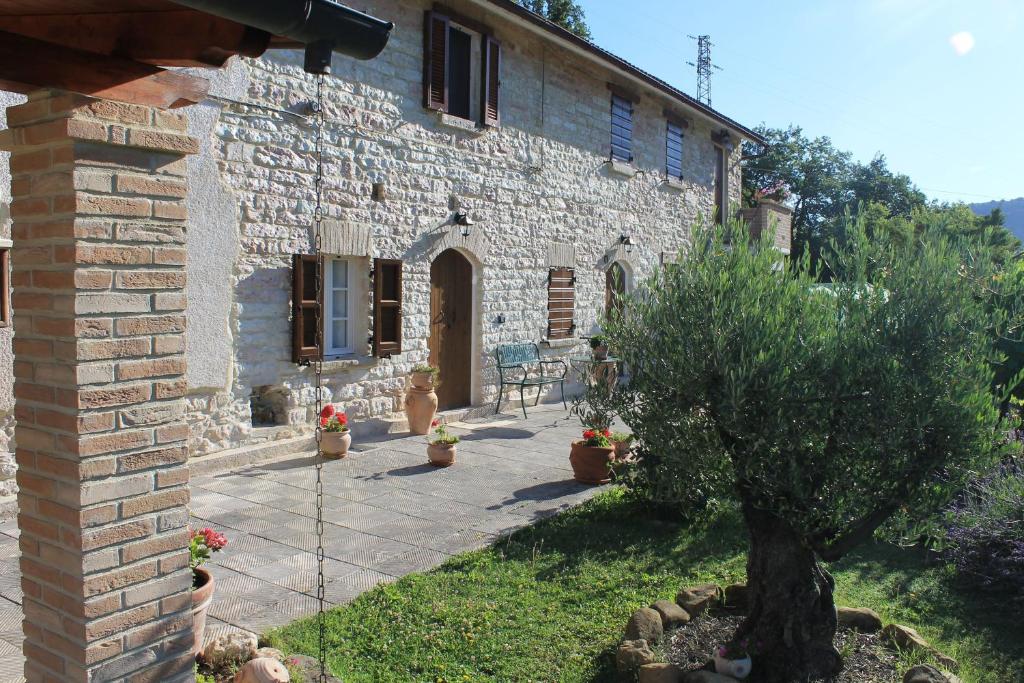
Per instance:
(99,281)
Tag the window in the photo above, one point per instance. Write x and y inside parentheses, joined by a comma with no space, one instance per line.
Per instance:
(461,68)
(622,129)
(5,286)
(674,150)
(338,305)
(721,184)
(561,297)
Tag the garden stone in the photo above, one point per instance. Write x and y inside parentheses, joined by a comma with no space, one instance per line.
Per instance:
(672,615)
(262,670)
(230,649)
(271,652)
(924,673)
(905,638)
(309,668)
(706,677)
(633,654)
(660,672)
(697,598)
(859,618)
(645,624)
(736,596)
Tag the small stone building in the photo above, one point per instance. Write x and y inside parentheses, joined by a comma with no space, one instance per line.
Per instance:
(490,178)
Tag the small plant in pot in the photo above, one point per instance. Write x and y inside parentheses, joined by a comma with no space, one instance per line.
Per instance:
(733,659)
(424,376)
(623,443)
(202,544)
(599,347)
(593,456)
(336,438)
(441,446)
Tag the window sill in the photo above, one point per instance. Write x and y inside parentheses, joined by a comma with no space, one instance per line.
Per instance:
(560,343)
(621,168)
(349,362)
(459,123)
(675,184)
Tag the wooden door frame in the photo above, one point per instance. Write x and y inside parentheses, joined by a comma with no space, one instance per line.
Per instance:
(475,323)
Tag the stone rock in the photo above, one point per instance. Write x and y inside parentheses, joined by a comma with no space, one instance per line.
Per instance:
(230,649)
(924,673)
(905,638)
(859,618)
(946,661)
(645,624)
(262,670)
(660,672)
(736,595)
(697,598)
(309,668)
(706,677)
(632,654)
(271,652)
(672,615)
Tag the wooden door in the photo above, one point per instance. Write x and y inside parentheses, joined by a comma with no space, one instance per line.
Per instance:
(614,288)
(451,323)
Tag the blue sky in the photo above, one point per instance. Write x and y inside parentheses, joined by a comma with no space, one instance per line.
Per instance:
(934,85)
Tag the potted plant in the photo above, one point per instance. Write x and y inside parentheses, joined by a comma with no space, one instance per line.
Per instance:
(336,437)
(599,347)
(622,442)
(202,544)
(734,659)
(441,446)
(420,399)
(591,457)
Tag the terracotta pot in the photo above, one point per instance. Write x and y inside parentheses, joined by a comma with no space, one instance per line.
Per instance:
(201,599)
(420,407)
(335,445)
(601,352)
(422,380)
(441,455)
(590,464)
(737,668)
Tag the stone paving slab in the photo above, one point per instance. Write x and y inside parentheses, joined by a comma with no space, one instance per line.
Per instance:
(386,514)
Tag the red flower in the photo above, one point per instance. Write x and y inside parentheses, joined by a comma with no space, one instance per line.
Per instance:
(328,411)
(589,434)
(324,420)
(607,432)
(213,540)
(342,418)
(435,423)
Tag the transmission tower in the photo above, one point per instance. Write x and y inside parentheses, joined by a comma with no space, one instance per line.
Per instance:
(704,67)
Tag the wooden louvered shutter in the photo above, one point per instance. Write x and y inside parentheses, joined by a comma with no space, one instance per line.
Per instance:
(307,335)
(387,307)
(622,128)
(435,61)
(491,81)
(561,298)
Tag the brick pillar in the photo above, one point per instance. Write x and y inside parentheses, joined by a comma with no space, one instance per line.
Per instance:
(99,282)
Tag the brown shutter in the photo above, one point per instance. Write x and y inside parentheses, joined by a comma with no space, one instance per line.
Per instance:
(435,61)
(561,298)
(387,307)
(5,287)
(307,334)
(491,81)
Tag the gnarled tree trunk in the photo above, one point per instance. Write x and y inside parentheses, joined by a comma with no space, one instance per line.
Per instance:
(791,624)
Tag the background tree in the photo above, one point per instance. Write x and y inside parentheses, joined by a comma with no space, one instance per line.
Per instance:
(566,13)
(822,409)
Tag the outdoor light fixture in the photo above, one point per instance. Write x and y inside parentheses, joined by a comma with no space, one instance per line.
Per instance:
(463,220)
(627,242)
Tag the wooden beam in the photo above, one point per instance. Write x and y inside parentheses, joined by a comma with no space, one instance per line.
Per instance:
(28,64)
(182,37)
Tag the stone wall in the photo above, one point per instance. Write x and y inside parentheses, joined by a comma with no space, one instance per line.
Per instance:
(771,217)
(534,186)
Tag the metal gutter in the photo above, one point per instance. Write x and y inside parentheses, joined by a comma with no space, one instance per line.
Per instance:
(585,48)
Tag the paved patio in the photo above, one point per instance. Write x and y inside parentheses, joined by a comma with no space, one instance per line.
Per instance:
(386,513)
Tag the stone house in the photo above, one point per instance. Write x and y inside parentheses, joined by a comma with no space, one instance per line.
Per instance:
(490,178)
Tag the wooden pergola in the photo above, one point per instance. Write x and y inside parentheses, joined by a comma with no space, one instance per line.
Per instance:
(98,272)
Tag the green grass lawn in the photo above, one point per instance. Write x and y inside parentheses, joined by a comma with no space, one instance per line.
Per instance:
(550,603)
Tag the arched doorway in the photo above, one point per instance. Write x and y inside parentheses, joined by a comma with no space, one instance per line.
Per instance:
(614,288)
(451,325)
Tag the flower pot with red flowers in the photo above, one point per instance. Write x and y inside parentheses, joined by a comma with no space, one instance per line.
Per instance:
(420,399)
(592,457)
(441,446)
(336,437)
(203,544)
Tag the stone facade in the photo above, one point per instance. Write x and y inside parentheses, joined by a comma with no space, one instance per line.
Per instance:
(773,218)
(538,187)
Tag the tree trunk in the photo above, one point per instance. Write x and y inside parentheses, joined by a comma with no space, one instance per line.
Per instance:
(791,626)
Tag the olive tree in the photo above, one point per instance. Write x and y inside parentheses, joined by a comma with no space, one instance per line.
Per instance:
(822,409)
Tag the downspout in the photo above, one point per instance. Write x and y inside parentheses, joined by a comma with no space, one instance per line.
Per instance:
(323,26)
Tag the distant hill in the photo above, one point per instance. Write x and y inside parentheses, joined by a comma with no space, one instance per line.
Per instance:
(1013,209)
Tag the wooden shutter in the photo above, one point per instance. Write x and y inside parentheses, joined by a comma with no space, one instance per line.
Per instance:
(674,150)
(491,81)
(561,298)
(5,287)
(387,307)
(622,128)
(307,332)
(435,61)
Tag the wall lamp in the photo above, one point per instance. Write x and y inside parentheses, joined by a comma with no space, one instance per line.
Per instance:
(464,222)
(627,242)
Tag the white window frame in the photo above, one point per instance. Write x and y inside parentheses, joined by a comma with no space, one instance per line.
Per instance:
(330,348)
